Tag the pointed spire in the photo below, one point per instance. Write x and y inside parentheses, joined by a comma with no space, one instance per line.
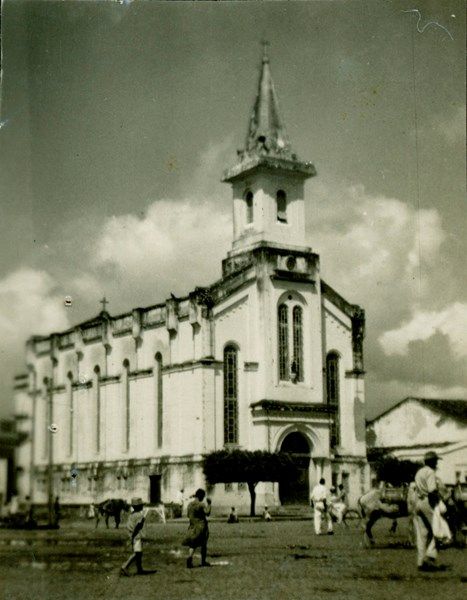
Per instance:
(267,143)
(266,130)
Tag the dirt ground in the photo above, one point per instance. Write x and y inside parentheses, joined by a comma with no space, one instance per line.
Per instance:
(250,561)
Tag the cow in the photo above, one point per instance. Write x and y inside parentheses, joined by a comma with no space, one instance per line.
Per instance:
(112,507)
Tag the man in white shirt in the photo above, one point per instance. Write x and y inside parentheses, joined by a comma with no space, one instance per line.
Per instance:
(426,498)
(320,502)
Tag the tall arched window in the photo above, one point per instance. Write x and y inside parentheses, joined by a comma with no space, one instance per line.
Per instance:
(230,395)
(97,387)
(71,418)
(297,328)
(332,391)
(290,340)
(46,418)
(159,399)
(126,392)
(249,206)
(283,341)
(281,206)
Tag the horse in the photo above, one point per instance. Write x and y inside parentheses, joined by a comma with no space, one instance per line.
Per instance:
(112,507)
(392,503)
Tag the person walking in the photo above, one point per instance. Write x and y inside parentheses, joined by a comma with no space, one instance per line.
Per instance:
(427,499)
(198,532)
(135,528)
(320,503)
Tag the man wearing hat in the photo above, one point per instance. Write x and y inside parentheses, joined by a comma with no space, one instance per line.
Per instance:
(135,527)
(427,487)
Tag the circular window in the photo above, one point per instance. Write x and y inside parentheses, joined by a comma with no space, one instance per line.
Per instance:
(291,263)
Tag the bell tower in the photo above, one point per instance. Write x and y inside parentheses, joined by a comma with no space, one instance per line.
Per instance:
(268,179)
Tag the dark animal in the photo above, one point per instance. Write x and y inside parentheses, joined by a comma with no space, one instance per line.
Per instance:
(392,503)
(111,508)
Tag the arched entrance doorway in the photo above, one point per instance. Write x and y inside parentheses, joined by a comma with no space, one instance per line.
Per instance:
(297,492)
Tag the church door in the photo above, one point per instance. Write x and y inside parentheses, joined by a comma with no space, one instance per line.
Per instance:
(297,492)
(154,489)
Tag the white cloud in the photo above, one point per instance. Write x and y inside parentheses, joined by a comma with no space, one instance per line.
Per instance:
(452,126)
(175,245)
(450,321)
(373,245)
(29,304)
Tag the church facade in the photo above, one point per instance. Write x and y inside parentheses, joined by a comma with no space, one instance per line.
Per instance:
(268,357)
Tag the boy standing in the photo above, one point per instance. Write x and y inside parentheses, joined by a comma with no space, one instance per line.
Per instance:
(135,528)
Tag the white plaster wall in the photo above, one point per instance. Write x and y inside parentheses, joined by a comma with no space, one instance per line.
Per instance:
(411,423)
(183,402)
(265,225)
(142,417)
(3,480)
(337,336)
(310,390)
(181,344)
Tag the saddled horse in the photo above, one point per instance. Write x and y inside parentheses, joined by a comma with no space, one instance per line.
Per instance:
(112,507)
(392,503)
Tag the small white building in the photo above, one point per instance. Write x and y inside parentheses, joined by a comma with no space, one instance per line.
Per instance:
(267,357)
(415,425)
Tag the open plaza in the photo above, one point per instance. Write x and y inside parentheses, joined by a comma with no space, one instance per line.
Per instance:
(251,560)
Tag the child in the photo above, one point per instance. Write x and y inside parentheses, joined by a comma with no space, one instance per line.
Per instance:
(266,515)
(135,527)
(233,518)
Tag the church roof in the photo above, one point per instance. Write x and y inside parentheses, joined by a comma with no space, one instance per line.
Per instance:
(267,143)
(456,409)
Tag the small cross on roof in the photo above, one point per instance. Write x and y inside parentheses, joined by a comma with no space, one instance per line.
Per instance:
(104,303)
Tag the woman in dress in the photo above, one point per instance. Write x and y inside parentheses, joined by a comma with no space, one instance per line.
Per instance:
(198,531)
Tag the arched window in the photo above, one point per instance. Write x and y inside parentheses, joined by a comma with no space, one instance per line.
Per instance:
(159,399)
(283,341)
(249,206)
(290,340)
(332,392)
(281,206)
(230,395)
(97,386)
(126,392)
(71,419)
(297,328)
(46,420)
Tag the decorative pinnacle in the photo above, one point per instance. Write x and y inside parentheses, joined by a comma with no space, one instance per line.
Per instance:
(265,45)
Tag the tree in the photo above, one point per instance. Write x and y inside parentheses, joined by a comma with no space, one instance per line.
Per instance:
(251,467)
(394,470)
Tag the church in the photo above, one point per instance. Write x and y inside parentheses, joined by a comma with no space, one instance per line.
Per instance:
(267,357)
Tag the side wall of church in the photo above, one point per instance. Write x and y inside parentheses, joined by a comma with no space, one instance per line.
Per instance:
(337,337)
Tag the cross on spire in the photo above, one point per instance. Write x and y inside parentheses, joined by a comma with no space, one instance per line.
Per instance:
(265,45)
(104,303)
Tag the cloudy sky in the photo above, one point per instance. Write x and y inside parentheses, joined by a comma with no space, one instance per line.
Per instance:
(117,120)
